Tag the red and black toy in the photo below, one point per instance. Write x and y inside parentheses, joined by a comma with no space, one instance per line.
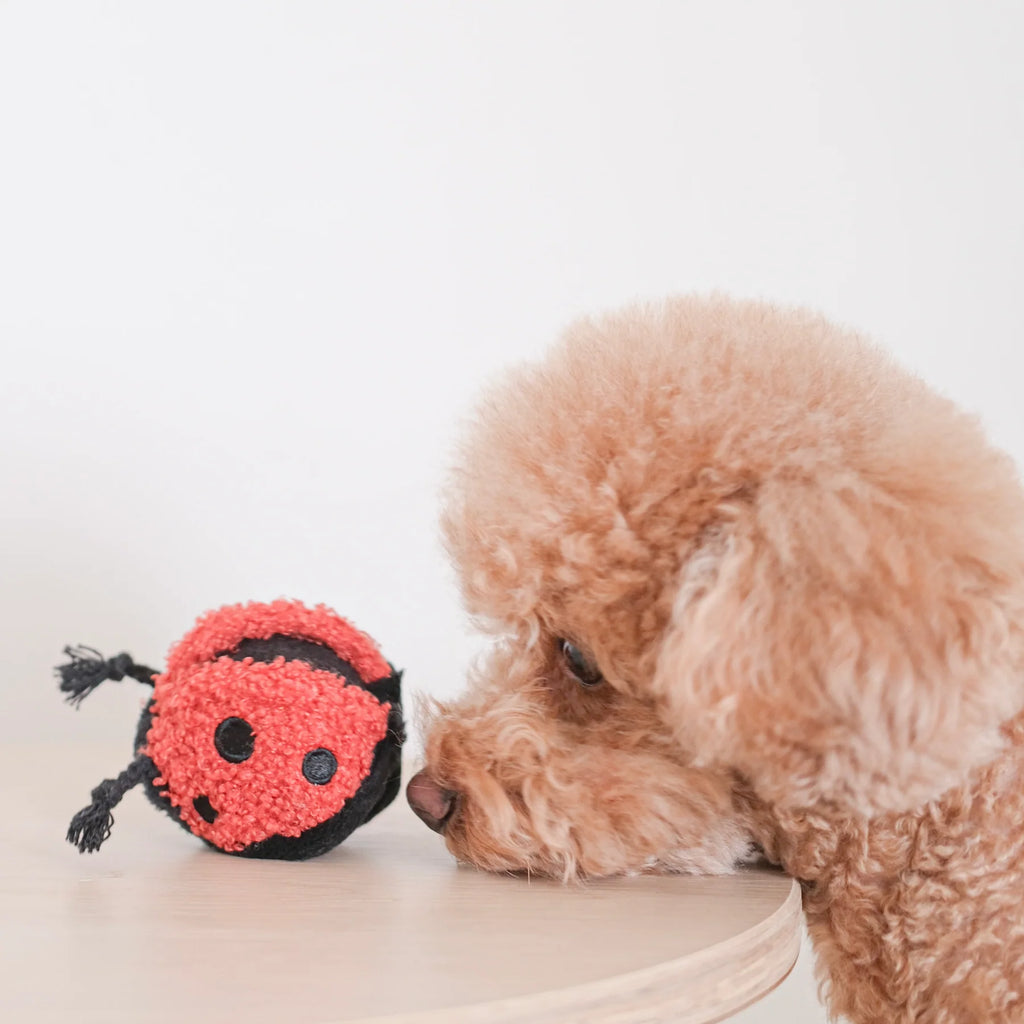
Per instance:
(275,731)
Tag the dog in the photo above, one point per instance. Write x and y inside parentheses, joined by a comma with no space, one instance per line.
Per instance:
(754,591)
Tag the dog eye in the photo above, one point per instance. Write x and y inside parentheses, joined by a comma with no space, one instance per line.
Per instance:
(585,672)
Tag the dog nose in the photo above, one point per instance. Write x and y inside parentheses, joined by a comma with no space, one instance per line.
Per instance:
(432,803)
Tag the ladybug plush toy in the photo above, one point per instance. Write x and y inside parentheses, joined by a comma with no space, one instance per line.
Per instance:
(275,731)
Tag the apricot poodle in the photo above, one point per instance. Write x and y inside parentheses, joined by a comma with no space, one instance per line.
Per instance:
(754,590)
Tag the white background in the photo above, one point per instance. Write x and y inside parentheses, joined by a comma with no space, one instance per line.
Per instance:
(257,258)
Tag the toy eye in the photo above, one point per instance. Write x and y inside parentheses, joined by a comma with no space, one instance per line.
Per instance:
(586,673)
(234,740)
(319,766)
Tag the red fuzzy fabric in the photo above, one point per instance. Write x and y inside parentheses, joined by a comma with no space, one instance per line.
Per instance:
(222,630)
(292,708)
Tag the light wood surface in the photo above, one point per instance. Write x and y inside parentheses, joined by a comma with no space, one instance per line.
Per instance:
(155,927)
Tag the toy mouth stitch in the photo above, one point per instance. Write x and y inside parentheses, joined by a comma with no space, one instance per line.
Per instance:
(205,809)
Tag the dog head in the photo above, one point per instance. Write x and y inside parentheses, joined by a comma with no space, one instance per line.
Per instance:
(718,541)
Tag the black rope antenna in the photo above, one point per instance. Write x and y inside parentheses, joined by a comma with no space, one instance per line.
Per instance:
(91,826)
(88,668)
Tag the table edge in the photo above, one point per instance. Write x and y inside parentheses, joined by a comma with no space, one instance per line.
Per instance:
(702,987)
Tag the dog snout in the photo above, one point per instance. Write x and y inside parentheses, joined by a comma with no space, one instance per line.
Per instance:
(433,804)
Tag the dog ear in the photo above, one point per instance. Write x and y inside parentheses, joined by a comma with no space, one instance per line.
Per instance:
(842,651)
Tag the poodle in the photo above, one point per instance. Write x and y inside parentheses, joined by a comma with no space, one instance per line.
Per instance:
(754,590)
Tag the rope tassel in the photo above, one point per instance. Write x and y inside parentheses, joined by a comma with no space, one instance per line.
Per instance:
(88,668)
(91,826)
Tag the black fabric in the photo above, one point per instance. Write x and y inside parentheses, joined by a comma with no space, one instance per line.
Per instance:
(88,668)
(91,826)
(393,784)
(293,648)
(389,690)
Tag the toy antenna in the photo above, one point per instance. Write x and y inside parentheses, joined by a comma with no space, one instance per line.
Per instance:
(91,826)
(88,668)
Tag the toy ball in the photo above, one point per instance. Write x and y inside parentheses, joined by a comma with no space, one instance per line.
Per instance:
(275,731)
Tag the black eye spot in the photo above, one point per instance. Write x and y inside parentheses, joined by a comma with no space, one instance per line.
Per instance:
(234,740)
(586,673)
(319,766)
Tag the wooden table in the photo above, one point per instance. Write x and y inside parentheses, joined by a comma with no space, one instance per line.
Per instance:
(155,927)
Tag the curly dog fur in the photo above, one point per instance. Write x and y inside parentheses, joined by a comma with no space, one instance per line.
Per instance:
(799,574)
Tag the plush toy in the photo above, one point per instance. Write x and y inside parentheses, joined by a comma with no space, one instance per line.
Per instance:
(274,732)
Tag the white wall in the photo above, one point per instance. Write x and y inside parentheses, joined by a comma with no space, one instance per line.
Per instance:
(256,259)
